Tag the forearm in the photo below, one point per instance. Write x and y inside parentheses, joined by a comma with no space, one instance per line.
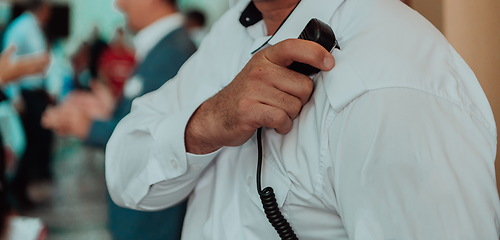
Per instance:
(146,156)
(195,137)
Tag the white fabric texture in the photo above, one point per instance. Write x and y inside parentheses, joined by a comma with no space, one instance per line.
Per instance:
(398,141)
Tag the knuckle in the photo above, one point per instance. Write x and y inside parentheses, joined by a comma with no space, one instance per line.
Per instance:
(308,86)
(257,72)
(265,119)
(280,119)
(243,105)
(296,106)
(306,91)
(259,55)
(273,119)
(287,45)
(283,100)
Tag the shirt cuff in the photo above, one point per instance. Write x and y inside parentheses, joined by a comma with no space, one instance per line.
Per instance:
(169,151)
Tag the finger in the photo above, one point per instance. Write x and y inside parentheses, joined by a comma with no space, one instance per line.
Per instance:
(271,117)
(48,118)
(96,86)
(61,132)
(308,52)
(279,99)
(291,82)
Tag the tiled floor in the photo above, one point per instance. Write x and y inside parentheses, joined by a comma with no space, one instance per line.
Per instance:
(78,207)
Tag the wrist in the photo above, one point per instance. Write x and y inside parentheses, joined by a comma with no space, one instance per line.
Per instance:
(85,128)
(197,138)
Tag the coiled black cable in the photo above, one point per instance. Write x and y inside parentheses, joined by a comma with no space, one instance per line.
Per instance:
(268,199)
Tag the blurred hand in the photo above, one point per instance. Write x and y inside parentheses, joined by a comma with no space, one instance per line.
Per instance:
(67,120)
(97,104)
(105,98)
(264,94)
(11,70)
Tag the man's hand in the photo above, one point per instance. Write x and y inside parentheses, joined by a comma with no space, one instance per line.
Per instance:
(12,70)
(67,120)
(264,94)
(97,104)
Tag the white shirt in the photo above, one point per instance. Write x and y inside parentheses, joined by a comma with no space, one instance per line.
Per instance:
(26,34)
(148,37)
(398,141)
(25,228)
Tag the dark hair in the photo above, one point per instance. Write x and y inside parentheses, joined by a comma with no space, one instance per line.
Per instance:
(33,5)
(196,16)
(4,205)
(173,2)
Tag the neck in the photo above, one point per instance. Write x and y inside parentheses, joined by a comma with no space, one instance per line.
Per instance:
(274,12)
(157,15)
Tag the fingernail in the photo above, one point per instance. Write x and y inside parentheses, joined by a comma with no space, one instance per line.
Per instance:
(328,62)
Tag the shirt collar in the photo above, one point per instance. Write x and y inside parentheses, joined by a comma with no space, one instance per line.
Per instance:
(293,26)
(148,37)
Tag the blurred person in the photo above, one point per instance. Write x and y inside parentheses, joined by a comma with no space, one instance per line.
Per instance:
(10,125)
(30,98)
(26,34)
(116,63)
(14,69)
(396,141)
(195,25)
(162,46)
(80,65)
(13,227)
(97,46)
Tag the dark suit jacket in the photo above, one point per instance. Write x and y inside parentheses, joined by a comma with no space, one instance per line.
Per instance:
(160,65)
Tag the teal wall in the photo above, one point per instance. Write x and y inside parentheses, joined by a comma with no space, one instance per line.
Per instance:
(102,13)
(87,14)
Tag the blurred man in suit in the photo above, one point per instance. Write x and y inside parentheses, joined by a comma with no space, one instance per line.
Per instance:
(162,46)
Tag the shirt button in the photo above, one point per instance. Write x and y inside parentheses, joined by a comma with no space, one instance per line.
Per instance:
(174,164)
(249,180)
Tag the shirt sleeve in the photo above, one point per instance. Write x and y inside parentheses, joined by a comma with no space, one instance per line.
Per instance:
(147,147)
(147,167)
(410,165)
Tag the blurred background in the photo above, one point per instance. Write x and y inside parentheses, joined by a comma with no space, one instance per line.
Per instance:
(68,200)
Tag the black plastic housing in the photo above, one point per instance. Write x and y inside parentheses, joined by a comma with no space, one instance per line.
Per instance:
(321,33)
